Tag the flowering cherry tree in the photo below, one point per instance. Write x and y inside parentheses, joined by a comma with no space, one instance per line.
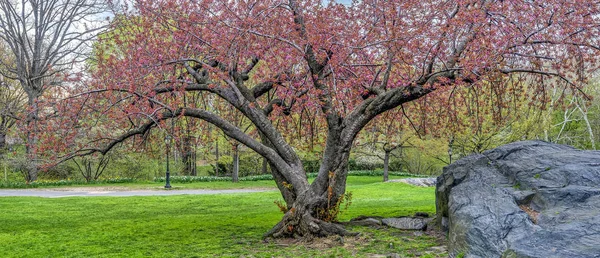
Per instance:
(271,60)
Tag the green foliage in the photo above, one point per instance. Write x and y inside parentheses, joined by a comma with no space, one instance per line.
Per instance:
(225,225)
(250,164)
(205,170)
(61,172)
(396,165)
(192,179)
(333,211)
(138,166)
(365,163)
(311,165)
(21,165)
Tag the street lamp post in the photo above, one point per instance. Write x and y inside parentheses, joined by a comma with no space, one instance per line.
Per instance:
(168,176)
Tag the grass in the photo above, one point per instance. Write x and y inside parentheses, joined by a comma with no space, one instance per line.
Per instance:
(229,225)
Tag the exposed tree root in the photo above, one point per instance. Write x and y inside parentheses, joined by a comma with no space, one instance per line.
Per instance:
(305,226)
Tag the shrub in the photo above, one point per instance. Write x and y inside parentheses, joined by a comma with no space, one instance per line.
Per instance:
(138,166)
(60,172)
(311,165)
(191,179)
(67,182)
(250,164)
(365,163)
(396,165)
(416,163)
(225,164)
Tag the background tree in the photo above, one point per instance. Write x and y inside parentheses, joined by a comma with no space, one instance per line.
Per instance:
(46,39)
(384,137)
(346,64)
(11,105)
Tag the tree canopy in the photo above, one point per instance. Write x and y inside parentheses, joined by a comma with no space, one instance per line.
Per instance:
(270,61)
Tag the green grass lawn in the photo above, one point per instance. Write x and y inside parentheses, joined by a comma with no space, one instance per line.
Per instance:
(228,225)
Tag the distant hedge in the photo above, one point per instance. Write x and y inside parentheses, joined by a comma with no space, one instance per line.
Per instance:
(180,179)
(41,183)
(191,179)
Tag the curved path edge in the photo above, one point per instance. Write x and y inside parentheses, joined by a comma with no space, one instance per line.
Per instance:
(90,193)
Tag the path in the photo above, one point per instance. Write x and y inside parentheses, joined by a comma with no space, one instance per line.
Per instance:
(73,192)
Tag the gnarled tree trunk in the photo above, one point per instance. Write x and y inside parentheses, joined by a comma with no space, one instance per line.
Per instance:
(313,212)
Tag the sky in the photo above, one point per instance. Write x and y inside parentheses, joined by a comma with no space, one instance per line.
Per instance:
(346,2)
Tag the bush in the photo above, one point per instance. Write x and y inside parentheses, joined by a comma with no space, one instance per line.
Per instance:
(250,164)
(60,172)
(41,183)
(138,166)
(396,165)
(191,179)
(225,164)
(365,163)
(311,165)
(416,163)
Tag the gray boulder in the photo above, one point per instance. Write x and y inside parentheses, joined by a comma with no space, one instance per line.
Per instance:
(367,222)
(419,181)
(407,223)
(524,199)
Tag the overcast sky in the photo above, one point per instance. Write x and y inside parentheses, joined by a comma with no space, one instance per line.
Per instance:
(343,1)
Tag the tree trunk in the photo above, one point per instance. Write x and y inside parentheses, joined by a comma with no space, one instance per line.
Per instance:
(189,166)
(2,141)
(386,162)
(314,212)
(217,158)
(31,139)
(305,219)
(264,166)
(236,164)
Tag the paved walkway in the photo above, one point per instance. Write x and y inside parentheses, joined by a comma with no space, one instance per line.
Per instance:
(72,192)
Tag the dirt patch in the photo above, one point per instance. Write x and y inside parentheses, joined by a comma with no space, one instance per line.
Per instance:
(397,241)
(322,243)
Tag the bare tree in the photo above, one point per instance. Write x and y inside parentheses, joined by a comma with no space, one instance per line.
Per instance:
(11,103)
(90,167)
(46,40)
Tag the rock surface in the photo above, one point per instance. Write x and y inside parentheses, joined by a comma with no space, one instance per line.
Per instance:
(524,199)
(418,181)
(368,222)
(407,223)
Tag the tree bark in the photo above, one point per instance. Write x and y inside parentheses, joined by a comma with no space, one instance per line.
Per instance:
(264,166)
(217,158)
(236,164)
(2,141)
(314,212)
(386,162)
(31,139)
(188,156)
